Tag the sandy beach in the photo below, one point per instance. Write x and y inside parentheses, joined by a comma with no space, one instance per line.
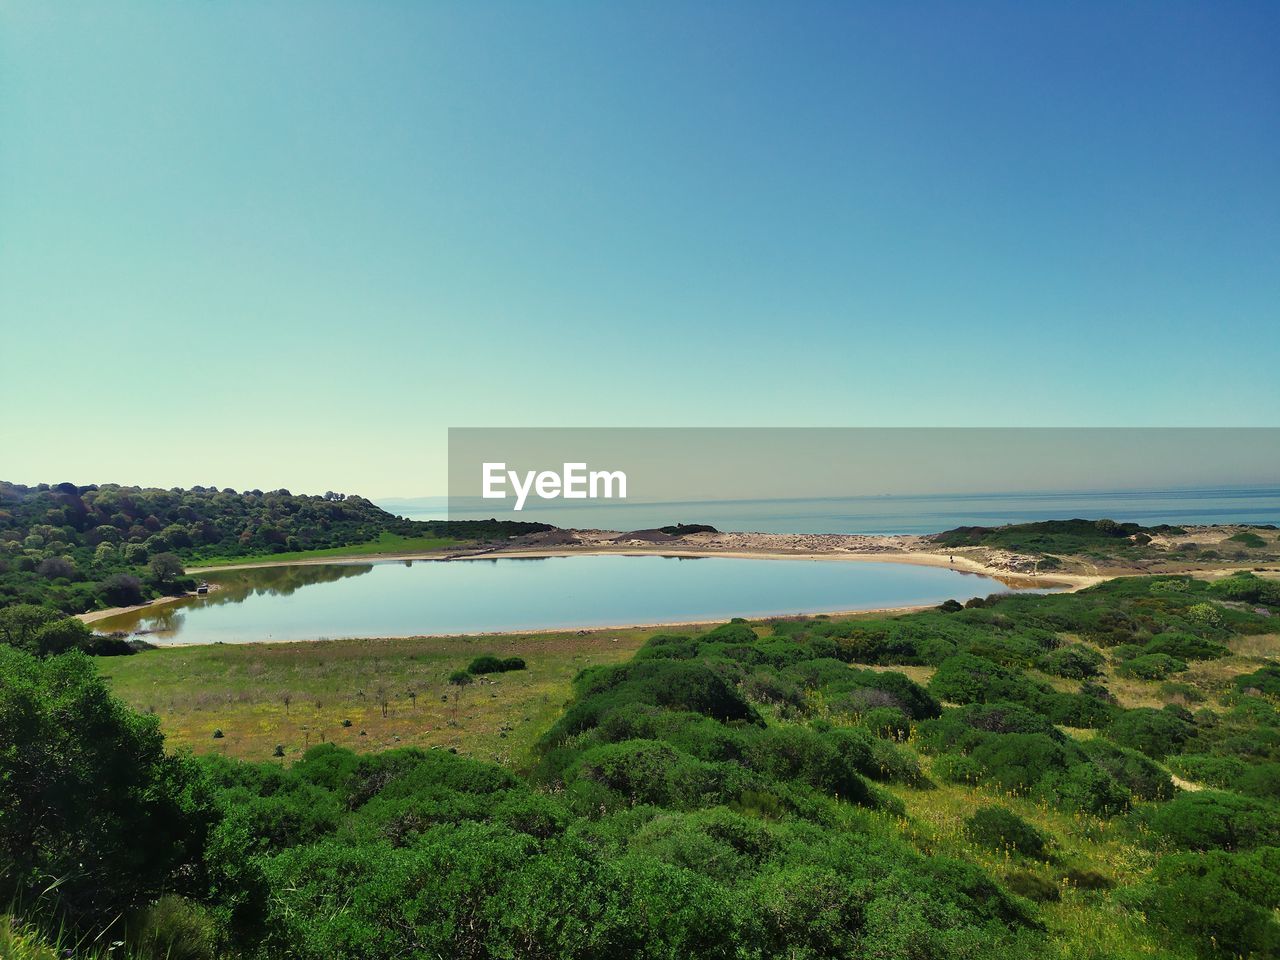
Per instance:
(1008,568)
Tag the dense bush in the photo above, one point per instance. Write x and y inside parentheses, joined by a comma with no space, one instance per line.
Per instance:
(965,678)
(1151,666)
(88,797)
(1185,646)
(1248,588)
(491,664)
(1075,662)
(1133,770)
(1215,820)
(1157,733)
(1222,902)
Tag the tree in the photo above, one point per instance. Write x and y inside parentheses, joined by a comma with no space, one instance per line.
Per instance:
(458,679)
(88,795)
(55,568)
(20,623)
(62,635)
(166,567)
(122,590)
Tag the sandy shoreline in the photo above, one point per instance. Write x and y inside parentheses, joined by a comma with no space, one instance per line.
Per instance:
(94,615)
(878,549)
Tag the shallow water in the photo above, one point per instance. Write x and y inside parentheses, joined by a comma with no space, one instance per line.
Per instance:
(406,598)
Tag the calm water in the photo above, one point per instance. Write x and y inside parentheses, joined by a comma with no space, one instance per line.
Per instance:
(400,598)
(897,514)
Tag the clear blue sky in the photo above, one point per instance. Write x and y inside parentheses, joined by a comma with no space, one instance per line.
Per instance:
(288,244)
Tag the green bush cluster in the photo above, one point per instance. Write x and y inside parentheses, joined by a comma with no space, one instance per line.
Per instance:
(488,663)
(1222,902)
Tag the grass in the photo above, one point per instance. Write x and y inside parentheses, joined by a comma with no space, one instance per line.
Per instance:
(387,543)
(19,941)
(1082,923)
(241,690)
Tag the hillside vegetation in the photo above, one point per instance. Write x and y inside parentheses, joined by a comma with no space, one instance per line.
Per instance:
(1056,536)
(982,781)
(75,549)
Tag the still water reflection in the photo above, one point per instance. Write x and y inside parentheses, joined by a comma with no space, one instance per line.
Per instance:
(406,598)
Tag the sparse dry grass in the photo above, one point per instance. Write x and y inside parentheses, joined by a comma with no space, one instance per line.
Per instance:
(920,674)
(1261,645)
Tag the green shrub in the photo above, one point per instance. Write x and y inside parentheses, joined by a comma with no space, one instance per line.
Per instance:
(1245,587)
(1131,769)
(1211,819)
(957,768)
(1261,780)
(1221,902)
(791,753)
(87,793)
(649,771)
(1215,770)
(765,686)
(1087,787)
(1075,662)
(1017,761)
(1265,680)
(487,663)
(1151,666)
(888,722)
(965,678)
(999,829)
(1186,646)
(1157,733)
(1205,614)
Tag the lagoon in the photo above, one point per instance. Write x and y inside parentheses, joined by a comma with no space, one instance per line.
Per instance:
(425,597)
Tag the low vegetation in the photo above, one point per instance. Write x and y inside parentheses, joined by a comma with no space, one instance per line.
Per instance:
(1056,536)
(938,784)
(1092,546)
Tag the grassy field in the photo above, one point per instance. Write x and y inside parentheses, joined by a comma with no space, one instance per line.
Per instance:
(242,690)
(1082,923)
(387,543)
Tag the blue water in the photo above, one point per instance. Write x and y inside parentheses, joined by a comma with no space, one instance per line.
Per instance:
(901,514)
(399,598)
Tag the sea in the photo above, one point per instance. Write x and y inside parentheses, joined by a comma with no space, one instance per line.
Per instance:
(891,514)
